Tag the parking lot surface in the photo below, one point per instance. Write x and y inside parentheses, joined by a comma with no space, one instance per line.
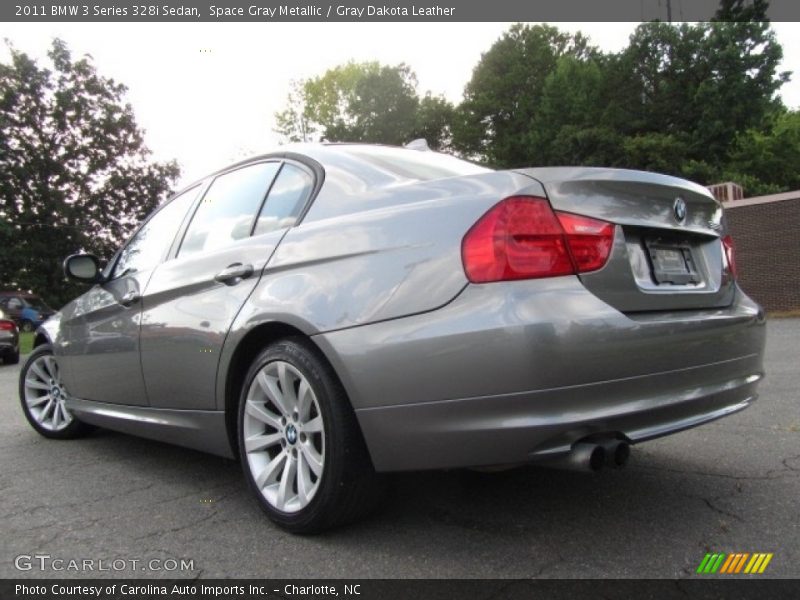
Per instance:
(730,486)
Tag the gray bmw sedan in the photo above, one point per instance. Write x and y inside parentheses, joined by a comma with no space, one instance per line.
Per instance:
(330,312)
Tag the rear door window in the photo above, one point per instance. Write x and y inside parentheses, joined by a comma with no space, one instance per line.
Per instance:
(286,199)
(228,210)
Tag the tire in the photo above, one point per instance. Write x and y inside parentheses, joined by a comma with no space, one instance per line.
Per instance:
(11,359)
(44,408)
(284,438)
(26,326)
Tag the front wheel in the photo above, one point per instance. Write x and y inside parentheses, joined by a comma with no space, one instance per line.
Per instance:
(300,445)
(43,397)
(26,326)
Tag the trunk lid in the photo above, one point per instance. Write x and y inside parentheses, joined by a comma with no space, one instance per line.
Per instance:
(659,261)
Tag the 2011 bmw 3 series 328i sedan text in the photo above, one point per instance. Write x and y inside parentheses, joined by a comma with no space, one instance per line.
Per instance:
(330,312)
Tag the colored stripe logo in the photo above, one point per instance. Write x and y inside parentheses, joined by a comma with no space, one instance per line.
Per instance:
(745,563)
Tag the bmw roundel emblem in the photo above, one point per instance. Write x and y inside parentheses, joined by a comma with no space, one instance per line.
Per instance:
(291,434)
(679,209)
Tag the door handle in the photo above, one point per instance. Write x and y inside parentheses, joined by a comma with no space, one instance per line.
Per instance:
(129,298)
(233,274)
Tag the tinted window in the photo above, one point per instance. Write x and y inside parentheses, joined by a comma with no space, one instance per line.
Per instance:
(147,247)
(228,209)
(285,200)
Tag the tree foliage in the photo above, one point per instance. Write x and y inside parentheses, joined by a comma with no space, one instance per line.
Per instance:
(696,100)
(502,101)
(364,102)
(76,173)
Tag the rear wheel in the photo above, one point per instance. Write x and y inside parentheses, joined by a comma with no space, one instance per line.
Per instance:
(43,397)
(300,445)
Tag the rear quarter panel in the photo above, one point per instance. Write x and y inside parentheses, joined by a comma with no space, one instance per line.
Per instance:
(400,254)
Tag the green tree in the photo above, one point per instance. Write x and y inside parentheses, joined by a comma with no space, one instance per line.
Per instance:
(433,122)
(700,84)
(503,97)
(363,102)
(292,124)
(76,175)
(691,99)
(573,124)
(765,162)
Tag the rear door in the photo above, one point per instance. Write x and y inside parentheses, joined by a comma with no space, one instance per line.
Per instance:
(192,299)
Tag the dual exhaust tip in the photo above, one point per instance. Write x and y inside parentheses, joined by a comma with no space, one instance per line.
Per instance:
(593,456)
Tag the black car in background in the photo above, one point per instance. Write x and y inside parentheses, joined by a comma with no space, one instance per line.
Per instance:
(9,340)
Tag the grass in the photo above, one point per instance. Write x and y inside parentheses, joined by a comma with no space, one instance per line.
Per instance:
(783,314)
(25,342)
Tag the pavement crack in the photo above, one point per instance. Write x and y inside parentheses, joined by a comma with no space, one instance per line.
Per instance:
(721,511)
(156,534)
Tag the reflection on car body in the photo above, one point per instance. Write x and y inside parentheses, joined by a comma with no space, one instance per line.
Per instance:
(327,313)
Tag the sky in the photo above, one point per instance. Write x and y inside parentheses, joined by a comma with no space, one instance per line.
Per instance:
(206,93)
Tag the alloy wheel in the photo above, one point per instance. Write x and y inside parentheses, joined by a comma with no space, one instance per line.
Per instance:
(45,394)
(284,436)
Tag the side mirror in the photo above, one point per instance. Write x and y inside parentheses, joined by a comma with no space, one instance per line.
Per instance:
(84,268)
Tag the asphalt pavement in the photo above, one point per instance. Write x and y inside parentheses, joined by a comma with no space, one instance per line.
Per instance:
(729,486)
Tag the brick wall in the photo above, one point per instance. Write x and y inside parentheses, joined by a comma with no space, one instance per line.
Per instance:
(766,237)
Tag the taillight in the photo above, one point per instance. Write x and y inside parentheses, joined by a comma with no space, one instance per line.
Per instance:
(589,240)
(727,246)
(7,326)
(523,238)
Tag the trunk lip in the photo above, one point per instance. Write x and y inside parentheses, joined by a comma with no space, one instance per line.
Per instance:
(563,174)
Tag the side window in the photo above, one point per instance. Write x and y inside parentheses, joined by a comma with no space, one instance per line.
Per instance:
(285,200)
(145,249)
(14,303)
(228,209)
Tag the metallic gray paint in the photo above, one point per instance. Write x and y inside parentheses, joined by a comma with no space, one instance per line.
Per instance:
(98,342)
(199,429)
(544,365)
(441,373)
(186,316)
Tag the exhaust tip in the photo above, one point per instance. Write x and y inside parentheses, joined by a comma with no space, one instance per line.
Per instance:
(617,453)
(597,458)
(621,454)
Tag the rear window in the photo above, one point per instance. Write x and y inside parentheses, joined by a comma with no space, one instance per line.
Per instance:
(400,163)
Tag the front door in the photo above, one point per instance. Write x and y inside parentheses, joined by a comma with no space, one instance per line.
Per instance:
(99,342)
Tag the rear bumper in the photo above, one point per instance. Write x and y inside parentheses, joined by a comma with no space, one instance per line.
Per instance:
(537,425)
(8,350)
(9,344)
(517,372)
